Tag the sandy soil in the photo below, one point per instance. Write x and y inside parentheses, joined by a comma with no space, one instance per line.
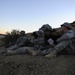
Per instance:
(39,65)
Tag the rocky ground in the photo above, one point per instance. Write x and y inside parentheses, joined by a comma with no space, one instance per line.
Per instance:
(30,65)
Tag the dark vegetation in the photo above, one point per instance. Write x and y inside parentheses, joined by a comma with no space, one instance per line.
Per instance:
(11,37)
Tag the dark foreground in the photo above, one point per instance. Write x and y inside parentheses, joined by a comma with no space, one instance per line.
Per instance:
(29,65)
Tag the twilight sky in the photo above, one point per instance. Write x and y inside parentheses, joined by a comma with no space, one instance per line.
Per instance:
(30,15)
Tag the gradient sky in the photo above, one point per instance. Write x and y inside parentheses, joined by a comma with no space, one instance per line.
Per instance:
(30,15)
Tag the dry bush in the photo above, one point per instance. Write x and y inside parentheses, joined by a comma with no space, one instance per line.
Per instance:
(11,37)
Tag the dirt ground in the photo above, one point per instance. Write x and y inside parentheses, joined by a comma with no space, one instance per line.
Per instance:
(39,65)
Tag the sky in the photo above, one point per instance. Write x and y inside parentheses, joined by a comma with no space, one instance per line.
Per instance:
(30,15)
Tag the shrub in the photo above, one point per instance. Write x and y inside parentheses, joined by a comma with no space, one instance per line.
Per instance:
(11,37)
